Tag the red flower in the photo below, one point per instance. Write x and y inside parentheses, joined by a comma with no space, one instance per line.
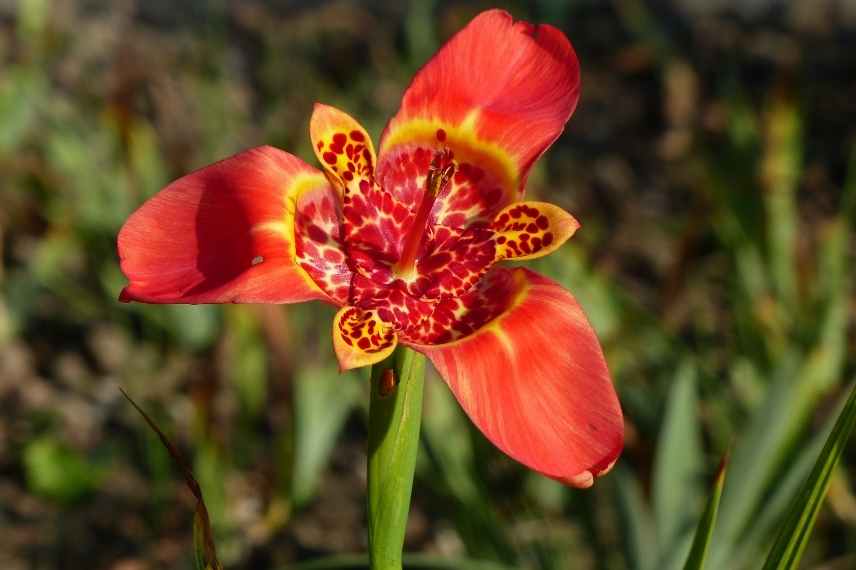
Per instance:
(407,243)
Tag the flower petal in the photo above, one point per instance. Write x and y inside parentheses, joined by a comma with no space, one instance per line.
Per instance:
(342,146)
(527,230)
(222,234)
(361,337)
(497,94)
(534,380)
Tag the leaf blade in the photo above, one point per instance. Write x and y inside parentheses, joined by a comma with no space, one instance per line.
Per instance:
(793,537)
(203,537)
(678,464)
(701,542)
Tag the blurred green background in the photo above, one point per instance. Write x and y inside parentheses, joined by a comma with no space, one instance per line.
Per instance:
(711,162)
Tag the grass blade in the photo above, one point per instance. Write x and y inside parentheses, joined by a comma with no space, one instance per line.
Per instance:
(792,539)
(698,552)
(678,464)
(203,537)
(637,525)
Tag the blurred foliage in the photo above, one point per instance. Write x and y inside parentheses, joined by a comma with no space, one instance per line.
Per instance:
(711,161)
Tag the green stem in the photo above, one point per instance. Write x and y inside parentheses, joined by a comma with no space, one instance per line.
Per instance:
(395,415)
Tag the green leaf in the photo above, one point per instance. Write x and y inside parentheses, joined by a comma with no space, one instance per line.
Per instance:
(698,552)
(323,399)
(203,537)
(635,518)
(757,537)
(793,536)
(763,448)
(678,465)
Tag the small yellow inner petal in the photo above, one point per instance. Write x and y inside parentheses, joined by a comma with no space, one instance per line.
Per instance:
(361,337)
(528,230)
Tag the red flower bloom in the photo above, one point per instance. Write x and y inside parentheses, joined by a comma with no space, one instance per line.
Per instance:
(407,243)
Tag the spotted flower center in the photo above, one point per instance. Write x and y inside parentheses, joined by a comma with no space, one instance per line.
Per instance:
(408,242)
(413,238)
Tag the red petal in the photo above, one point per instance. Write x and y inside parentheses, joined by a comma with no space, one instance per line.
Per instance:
(221,235)
(534,380)
(497,94)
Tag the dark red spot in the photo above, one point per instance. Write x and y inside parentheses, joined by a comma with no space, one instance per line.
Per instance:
(441,135)
(364,343)
(434,262)
(548,239)
(340,139)
(357,136)
(542,222)
(348,175)
(330,158)
(317,234)
(320,145)
(532,228)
